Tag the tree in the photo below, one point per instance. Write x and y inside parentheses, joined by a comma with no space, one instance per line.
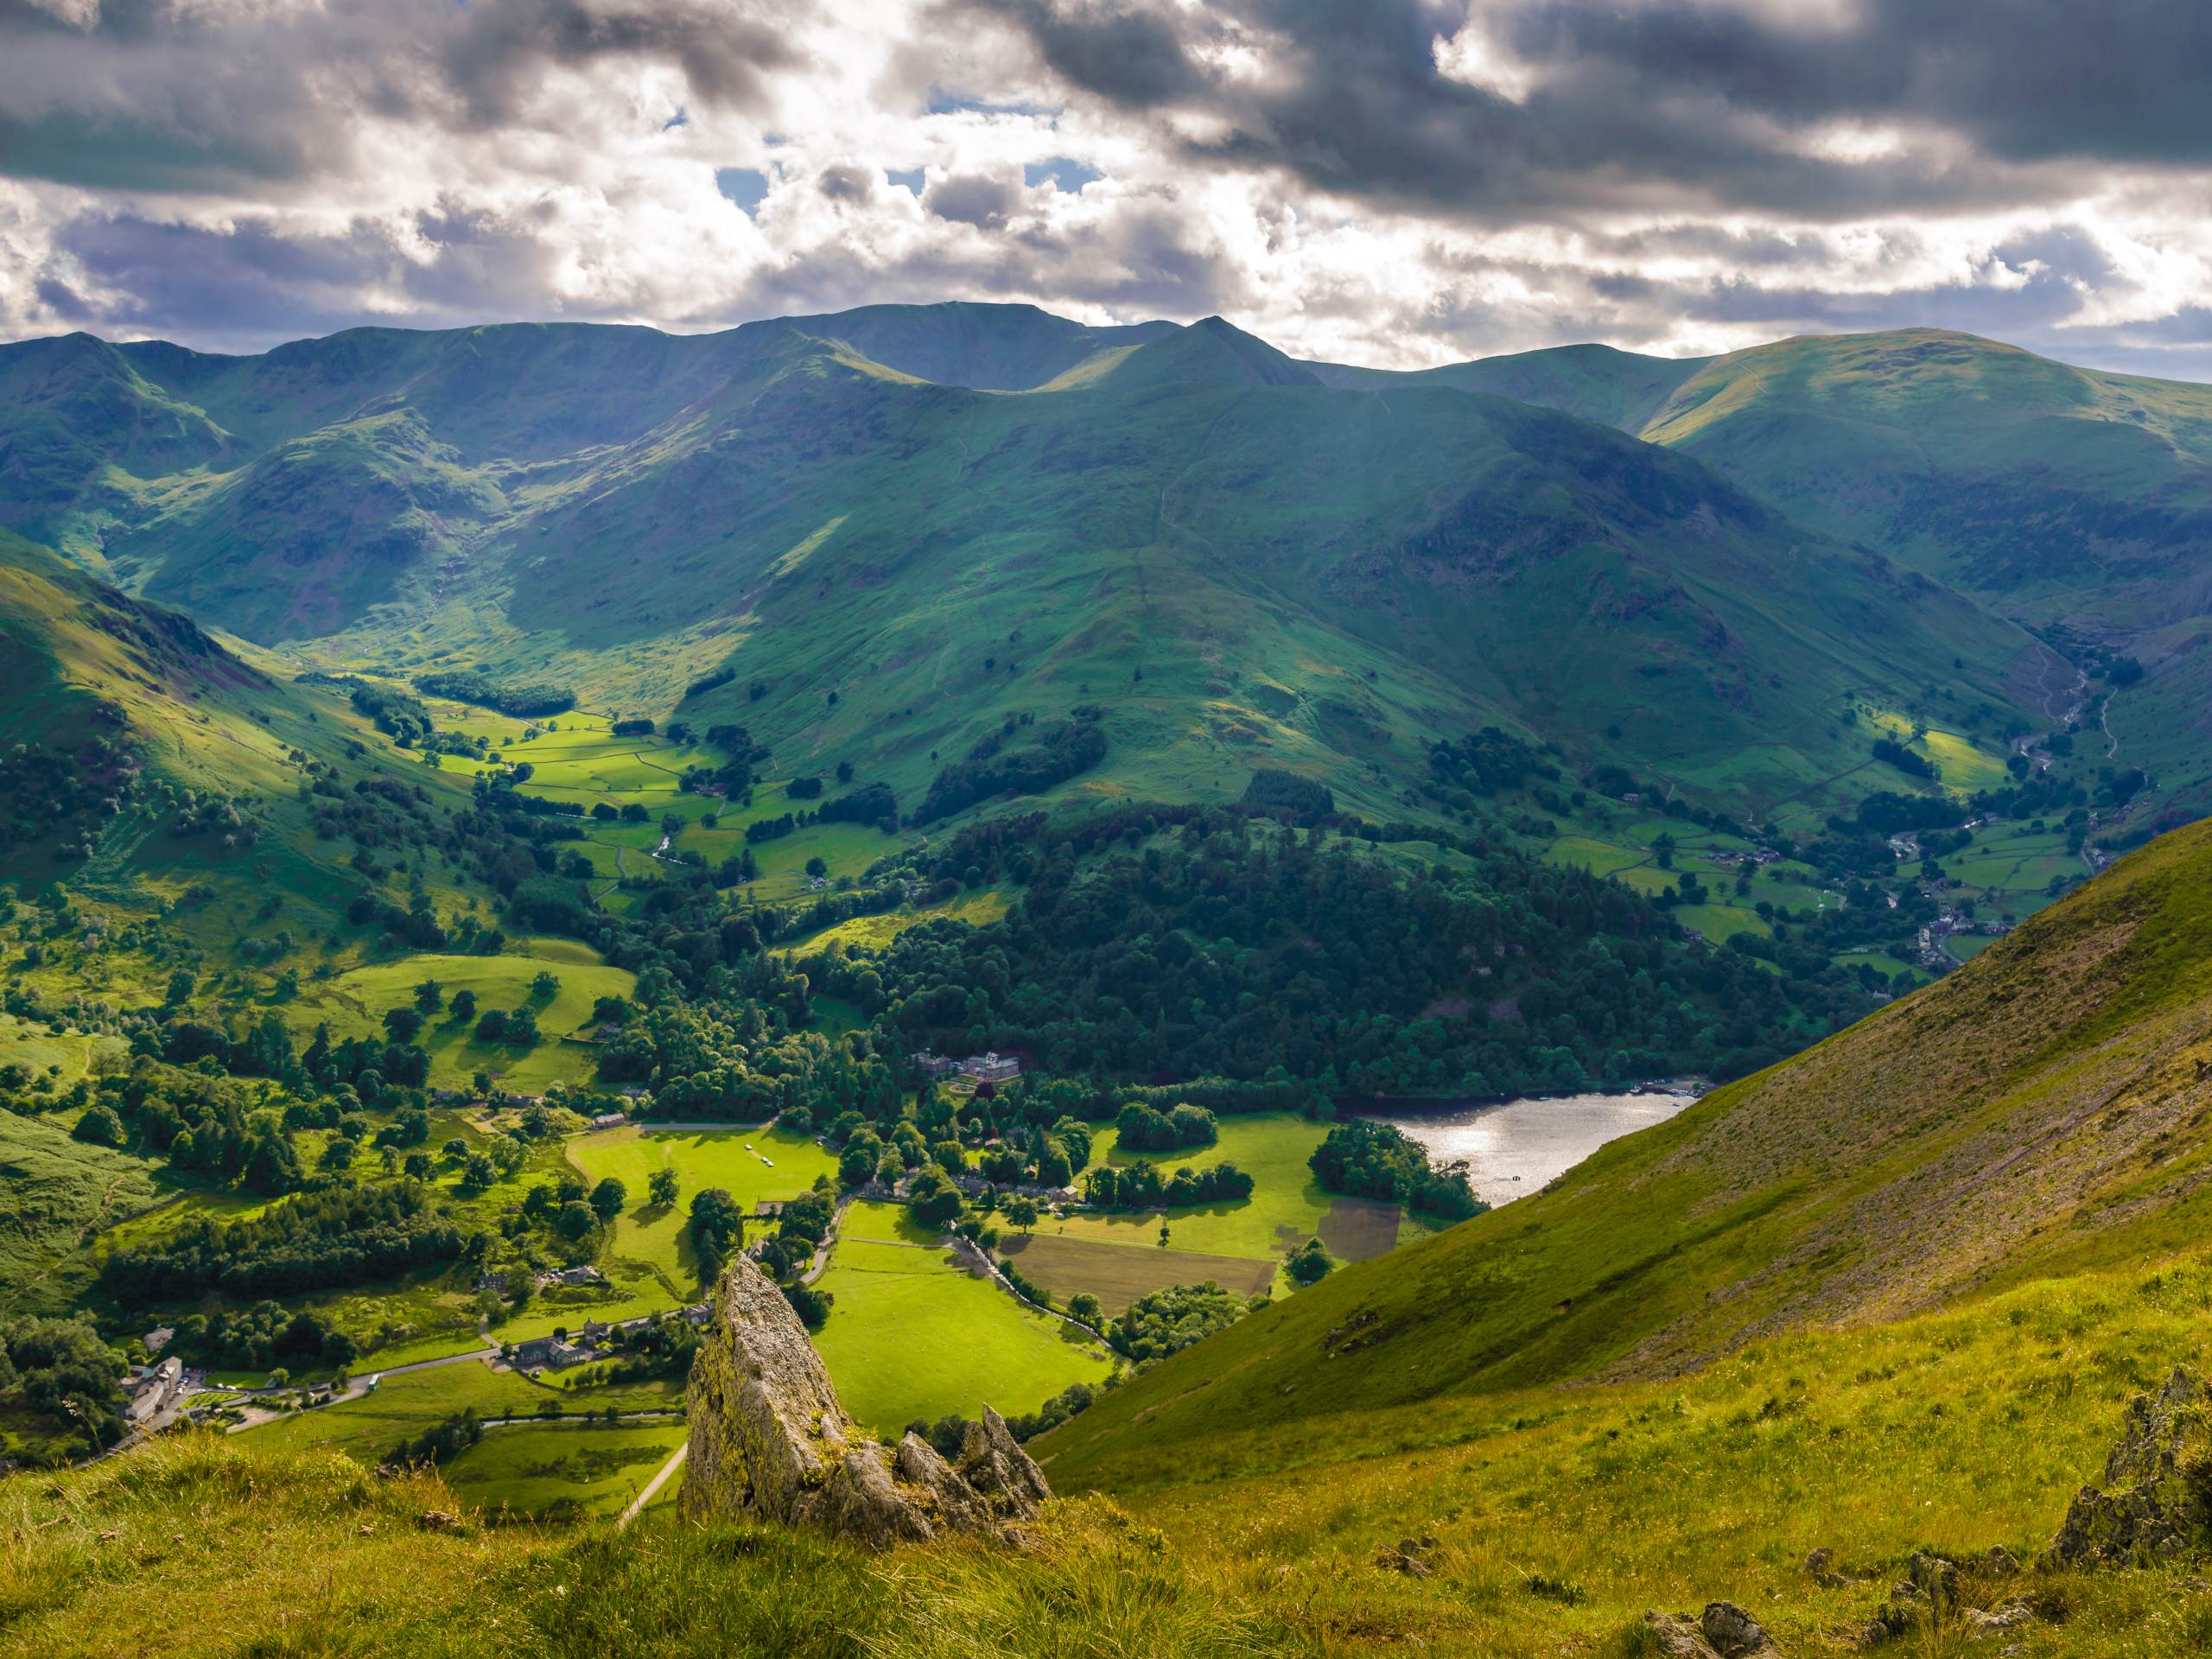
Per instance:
(181,983)
(576,1221)
(1021,1212)
(1085,1308)
(100,1127)
(403,1024)
(660,1188)
(717,1228)
(608,1199)
(811,1306)
(428,996)
(545,983)
(934,1200)
(816,867)
(1310,1262)
(464,1005)
(477,1174)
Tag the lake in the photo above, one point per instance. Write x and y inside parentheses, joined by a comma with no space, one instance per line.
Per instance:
(1512,1147)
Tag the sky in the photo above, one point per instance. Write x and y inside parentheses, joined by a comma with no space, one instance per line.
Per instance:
(1376,181)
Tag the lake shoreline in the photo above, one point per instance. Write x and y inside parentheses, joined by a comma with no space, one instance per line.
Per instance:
(1518,1146)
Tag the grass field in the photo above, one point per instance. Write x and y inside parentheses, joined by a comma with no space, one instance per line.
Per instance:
(354,1003)
(913,1334)
(1119,1274)
(978,909)
(780,1166)
(533,1469)
(1287,1207)
(405,1404)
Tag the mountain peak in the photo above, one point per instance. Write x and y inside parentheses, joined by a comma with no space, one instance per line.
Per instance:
(1211,349)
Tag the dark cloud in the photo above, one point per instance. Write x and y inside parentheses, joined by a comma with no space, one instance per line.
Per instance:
(1130,54)
(846,181)
(165,98)
(1639,171)
(1689,102)
(973,199)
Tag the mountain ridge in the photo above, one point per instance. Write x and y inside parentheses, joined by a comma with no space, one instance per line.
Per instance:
(618,507)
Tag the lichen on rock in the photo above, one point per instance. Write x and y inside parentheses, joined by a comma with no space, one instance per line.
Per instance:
(769,1439)
(2157,1498)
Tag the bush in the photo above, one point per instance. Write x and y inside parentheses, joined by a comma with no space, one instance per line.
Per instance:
(1366,1159)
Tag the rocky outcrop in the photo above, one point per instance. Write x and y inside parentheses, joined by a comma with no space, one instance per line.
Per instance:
(1924,1599)
(2157,1479)
(769,1439)
(1724,1630)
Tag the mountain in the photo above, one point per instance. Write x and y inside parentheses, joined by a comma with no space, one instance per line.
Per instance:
(2037,1116)
(947,516)
(1592,383)
(150,759)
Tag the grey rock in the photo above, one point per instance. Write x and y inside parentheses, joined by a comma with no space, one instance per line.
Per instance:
(1935,1579)
(1731,1632)
(769,1439)
(1820,1567)
(1724,1630)
(1677,1636)
(2149,1509)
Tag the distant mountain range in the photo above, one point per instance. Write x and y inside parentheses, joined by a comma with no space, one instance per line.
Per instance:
(893,528)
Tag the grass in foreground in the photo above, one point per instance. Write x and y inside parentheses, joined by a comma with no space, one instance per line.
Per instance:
(193,1547)
(1558,1516)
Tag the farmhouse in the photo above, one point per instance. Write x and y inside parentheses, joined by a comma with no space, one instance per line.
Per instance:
(160,1385)
(608,1120)
(992,1067)
(936,1065)
(586,1275)
(541,1351)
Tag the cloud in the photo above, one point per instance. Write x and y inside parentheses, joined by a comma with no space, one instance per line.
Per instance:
(1400,181)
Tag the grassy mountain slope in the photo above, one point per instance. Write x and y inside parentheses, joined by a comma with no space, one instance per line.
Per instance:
(988,348)
(2065,498)
(2061,491)
(2039,1113)
(1291,572)
(856,506)
(315,532)
(147,714)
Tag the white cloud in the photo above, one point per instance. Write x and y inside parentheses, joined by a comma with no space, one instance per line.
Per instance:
(246,172)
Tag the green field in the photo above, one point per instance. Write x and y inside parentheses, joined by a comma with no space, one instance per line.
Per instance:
(913,1334)
(405,1403)
(354,1003)
(536,1469)
(1287,1207)
(781,1165)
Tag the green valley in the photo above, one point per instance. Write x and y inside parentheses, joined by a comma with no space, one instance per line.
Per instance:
(960,820)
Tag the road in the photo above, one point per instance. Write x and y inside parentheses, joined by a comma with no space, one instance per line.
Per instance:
(637,1503)
(254,1416)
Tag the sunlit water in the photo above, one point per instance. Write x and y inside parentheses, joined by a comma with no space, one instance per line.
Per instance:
(1513,1148)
